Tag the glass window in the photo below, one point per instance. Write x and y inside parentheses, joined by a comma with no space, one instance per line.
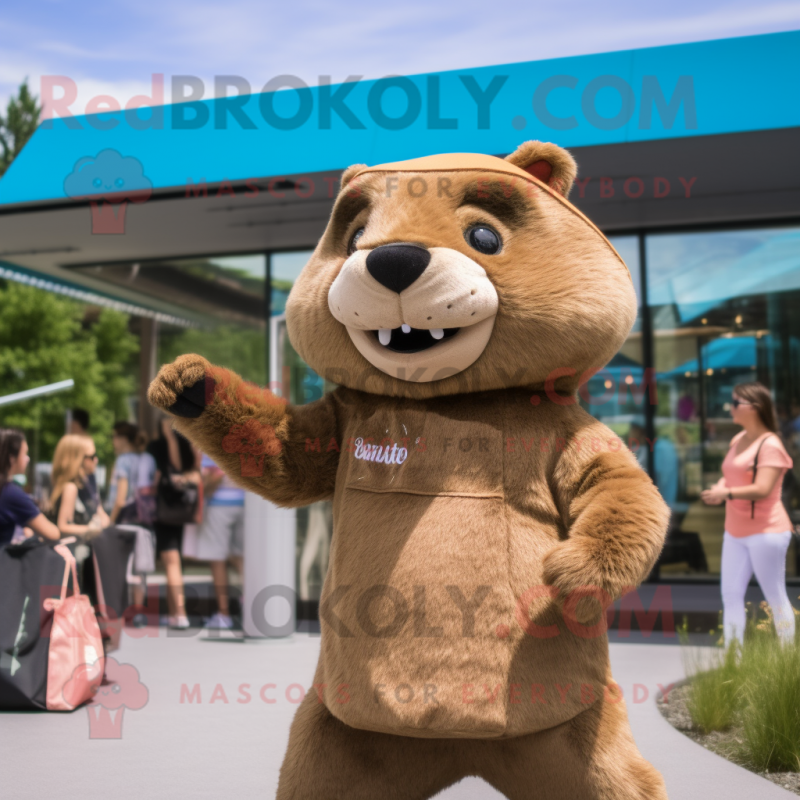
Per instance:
(229,293)
(617,394)
(284,269)
(724,309)
(223,296)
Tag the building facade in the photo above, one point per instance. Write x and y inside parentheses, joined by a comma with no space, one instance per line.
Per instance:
(688,161)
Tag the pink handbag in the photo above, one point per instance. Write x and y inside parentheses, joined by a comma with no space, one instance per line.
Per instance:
(76,662)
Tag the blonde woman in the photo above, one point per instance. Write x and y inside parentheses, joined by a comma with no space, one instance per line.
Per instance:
(73,507)
(757,527)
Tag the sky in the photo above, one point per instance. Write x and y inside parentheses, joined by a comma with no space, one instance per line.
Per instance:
(114,47)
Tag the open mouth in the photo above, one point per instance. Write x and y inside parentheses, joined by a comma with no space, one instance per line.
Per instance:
(421,354)
(406,339)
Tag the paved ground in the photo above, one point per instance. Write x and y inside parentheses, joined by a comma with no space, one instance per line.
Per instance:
(173,749)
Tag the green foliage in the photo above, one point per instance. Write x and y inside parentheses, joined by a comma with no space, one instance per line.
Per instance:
(713,695)
(118,353)
(770,702)
(754,688)
(43,340)
(18,125)
(241,349)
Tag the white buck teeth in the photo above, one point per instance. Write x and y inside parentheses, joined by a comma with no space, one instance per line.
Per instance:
(385,334)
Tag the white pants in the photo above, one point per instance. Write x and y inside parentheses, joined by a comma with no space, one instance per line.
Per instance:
(766,554)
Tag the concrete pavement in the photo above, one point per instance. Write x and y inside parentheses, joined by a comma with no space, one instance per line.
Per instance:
(208,741)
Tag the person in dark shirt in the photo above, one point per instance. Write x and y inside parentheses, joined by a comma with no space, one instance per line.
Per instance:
(80,422)
(16,507)
(173,455)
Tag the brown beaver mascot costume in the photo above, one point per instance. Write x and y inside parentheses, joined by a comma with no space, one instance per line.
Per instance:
(482,520)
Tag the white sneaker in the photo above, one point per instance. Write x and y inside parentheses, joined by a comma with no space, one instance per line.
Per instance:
(181,621)
(219,622)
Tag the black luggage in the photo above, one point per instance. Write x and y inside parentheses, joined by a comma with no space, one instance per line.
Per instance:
(29,573)
(106,583)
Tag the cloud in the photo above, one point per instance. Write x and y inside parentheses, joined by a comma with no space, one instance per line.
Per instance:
(259,41)
(108,174)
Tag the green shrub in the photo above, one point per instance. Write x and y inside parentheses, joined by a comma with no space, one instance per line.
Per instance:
(756,688)
(713,694)
(770,705)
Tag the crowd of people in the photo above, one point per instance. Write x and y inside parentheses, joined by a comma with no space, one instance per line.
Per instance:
(163,486)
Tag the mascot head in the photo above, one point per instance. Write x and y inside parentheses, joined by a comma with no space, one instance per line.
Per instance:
(461,273)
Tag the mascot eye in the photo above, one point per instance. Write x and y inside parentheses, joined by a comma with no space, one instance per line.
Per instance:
(351,248)
(483,239)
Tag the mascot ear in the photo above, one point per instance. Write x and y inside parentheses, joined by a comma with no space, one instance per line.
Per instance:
(548,162)
(350,173)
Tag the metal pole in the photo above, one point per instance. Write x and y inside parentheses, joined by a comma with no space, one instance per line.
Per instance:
(50,388)
(269,598)
(648,356)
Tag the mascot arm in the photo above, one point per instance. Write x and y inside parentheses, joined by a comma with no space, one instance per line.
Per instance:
(257,438)
(615,518)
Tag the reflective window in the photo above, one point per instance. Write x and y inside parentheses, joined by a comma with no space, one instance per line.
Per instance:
(616,395)
(284,269)
(724,306)
(229,295)
(222,301)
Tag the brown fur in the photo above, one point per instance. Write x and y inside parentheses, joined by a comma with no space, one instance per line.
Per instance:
(563,164)
(508,498)
(566,298)
(350,173)
(591,757)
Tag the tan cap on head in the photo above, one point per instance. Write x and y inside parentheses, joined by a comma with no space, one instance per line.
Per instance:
(545,165)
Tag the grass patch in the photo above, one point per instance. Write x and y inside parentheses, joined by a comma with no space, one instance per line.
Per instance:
(752,690)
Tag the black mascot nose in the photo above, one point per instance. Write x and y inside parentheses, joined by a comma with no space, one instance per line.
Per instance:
(397,266)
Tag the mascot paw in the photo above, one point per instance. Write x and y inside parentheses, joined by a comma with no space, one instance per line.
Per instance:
(180,387)
(569,568)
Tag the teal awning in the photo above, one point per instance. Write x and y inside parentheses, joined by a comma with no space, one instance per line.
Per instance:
(715,87)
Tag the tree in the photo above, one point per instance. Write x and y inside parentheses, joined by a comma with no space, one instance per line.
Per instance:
(18,125)
(44,339)
(241,349)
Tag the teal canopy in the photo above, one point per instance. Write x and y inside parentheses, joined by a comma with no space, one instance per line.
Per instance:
(698,89)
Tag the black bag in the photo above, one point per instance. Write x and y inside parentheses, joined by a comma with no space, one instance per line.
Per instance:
(105,581)
(176,505)
(30,572)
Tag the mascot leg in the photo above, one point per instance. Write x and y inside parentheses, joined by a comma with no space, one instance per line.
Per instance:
(328,760)
(592,756)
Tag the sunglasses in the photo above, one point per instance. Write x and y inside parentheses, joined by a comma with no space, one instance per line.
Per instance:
(91,455)
(736,403)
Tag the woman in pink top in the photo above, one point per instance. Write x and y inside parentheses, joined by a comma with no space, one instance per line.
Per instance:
(757,528)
